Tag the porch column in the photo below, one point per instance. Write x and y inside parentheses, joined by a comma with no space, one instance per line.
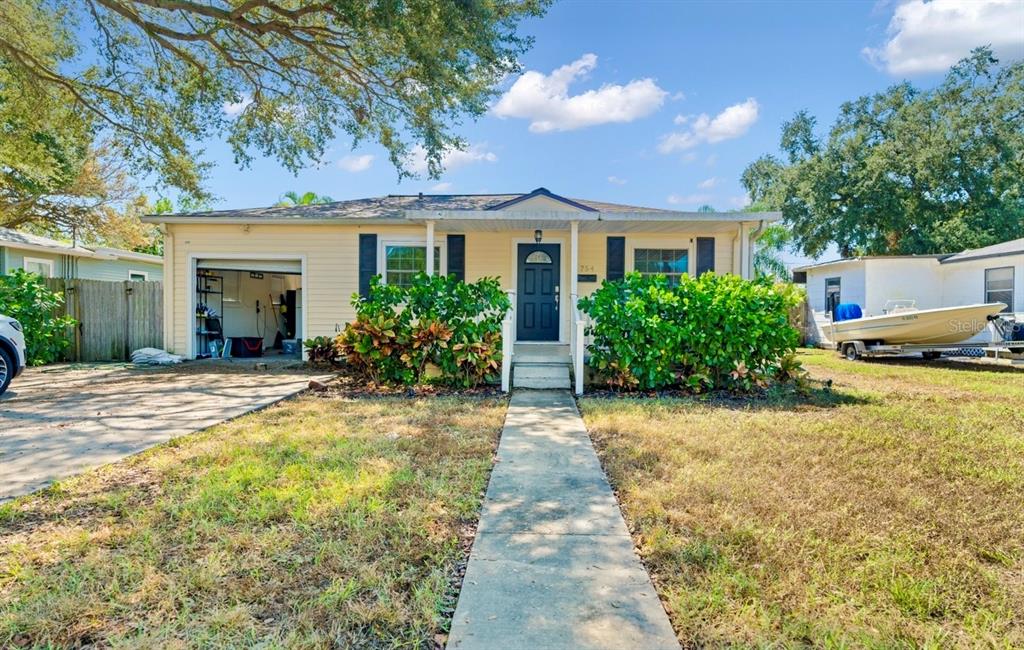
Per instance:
(574,256)
(745,251)
(576,323)
(168,283)
(430,248)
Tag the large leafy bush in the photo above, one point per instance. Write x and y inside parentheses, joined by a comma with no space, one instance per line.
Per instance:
(24,297)
(715,331)
(399,332)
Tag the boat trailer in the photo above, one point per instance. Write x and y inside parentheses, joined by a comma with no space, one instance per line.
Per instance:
(1007,330)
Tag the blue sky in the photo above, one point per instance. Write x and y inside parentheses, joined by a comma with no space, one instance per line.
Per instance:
(682,96)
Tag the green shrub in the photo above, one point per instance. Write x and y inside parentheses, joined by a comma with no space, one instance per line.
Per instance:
(399,331)
(320,350)
(711,332)
(24,296)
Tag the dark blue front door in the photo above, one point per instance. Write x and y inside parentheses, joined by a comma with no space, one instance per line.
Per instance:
(537,306)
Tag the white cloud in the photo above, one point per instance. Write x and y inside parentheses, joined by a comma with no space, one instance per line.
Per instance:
(545,100)
(739,201)
(732,122)
(441,187)
(932,36)
(708,183)
(615,180)
(356,163)
(232,109)
(688,199)
(452,159)
(680,119)
(678,96)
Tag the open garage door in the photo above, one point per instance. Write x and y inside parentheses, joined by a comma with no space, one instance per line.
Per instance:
(258,266)
(247,307)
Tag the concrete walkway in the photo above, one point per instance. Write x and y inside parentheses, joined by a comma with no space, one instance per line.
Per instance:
(553,564)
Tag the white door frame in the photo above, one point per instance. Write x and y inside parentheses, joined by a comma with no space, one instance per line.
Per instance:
(563,284)
(190,315)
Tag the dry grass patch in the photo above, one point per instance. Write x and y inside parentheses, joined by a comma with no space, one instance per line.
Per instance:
(321,522)
(883,513)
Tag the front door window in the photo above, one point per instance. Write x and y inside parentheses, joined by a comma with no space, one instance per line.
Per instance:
(538,294)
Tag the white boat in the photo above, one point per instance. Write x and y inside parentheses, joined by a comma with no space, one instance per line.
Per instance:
(905,324)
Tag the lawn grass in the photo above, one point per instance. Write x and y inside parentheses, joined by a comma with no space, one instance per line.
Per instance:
(320,522)
(886,512)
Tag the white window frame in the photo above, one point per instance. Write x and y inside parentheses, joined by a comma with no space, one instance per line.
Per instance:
(25,261)
(144,274)
(382,249)
(1013,285)
(668,243)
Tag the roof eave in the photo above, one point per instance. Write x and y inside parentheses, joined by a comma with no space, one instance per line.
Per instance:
(733,217)
(954,259)
(198,219)
(53,250)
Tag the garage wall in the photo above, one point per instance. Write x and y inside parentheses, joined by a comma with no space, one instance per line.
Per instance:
(964,282)
(902,279)
(332,265)
(240,317)
(851,284)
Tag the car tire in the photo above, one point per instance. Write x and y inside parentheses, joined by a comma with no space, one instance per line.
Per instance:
(7,370)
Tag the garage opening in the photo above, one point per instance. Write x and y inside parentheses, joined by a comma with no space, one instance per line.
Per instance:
(248,308)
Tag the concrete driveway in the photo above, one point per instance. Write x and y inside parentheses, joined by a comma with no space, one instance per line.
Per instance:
(61,420)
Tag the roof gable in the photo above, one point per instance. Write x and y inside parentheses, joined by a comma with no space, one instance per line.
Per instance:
(543,197)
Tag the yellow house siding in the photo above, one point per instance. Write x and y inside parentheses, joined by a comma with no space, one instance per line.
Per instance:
(331,267)
(332,262)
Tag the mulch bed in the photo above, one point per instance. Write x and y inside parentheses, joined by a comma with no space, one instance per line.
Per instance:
(347,383)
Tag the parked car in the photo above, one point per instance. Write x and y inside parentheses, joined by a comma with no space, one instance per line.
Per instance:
(12,351)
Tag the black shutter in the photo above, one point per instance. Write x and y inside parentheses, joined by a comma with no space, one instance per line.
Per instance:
(705,255)
(616,258)
(367,262)
(457,257)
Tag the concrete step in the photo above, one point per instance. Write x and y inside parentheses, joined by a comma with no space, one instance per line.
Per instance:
(540,375)
(541,353)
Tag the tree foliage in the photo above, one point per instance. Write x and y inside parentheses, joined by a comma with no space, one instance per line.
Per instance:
(768,250)
(307,198)
(24,297)
(907,170)
(151,78)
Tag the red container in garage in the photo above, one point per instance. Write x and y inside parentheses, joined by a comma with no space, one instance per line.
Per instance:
(246,346)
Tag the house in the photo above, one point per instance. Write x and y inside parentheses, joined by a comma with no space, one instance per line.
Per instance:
(546,249)
(51,258)
(990,274)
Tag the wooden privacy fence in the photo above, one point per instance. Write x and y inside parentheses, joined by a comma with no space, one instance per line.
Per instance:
(114,318)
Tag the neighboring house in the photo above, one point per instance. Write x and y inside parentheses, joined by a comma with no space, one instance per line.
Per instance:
(56,259)
(546,249)
(991,274)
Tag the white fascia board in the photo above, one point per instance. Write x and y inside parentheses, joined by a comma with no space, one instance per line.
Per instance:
(500,215)
(52,250)
(711,217)
(256,221)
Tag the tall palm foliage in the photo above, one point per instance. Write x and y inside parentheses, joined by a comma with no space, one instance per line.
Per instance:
(308,198)
(768,251)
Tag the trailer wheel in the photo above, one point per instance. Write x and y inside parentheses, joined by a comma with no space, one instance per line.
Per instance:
(850,352)
(931,355)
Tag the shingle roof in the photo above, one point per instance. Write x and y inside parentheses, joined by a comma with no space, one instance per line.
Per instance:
(392,206)
(1012,247)
(18,239)
(15,237)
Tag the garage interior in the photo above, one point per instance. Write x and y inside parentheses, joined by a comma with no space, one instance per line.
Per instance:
(248,308)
